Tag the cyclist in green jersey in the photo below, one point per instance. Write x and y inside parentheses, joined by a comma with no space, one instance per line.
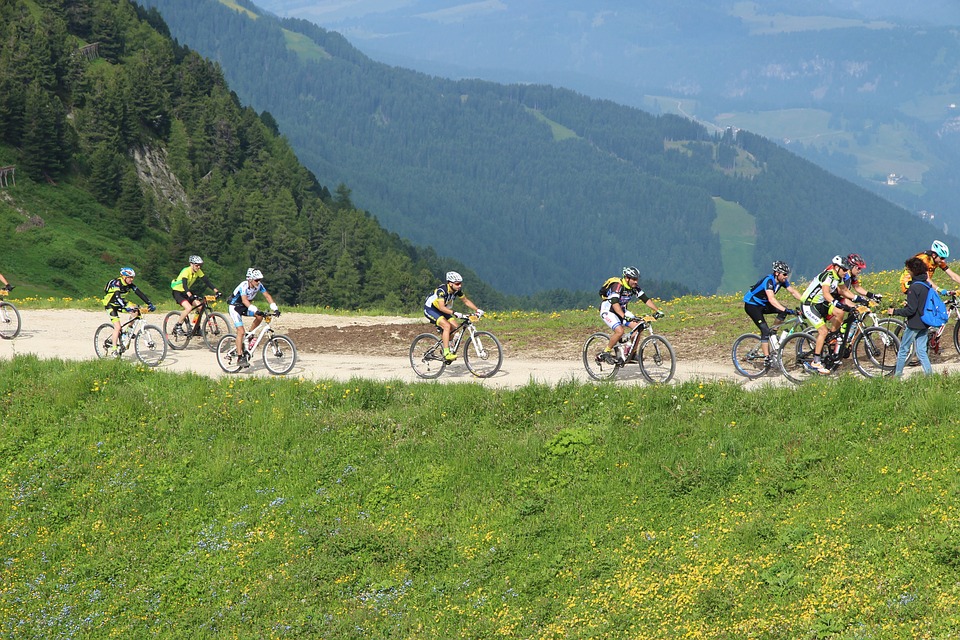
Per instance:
(822,297)
(183,283)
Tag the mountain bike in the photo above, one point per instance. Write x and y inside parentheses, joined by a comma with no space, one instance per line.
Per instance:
(147,339)
(210,324)
(482,353)
(653,353)
(9,317)
(279,352)
(747,355)
(873,349)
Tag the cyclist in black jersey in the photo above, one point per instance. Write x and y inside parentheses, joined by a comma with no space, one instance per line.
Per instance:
(114,302)
(761,299)
(616,294)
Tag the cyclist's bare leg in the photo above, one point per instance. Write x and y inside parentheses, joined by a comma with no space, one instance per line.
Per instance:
(187,308)
(615,337)
(447,326)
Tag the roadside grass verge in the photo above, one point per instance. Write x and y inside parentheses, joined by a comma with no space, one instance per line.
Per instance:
(137,502)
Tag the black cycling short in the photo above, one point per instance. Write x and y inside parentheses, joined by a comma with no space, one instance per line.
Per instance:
(756,313)
(180,296)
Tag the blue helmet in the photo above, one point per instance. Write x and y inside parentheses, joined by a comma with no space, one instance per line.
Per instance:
(127,272)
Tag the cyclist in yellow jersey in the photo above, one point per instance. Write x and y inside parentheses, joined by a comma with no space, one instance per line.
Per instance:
(183,284)
(114,302)
(617,294)
(437,309)
(822,297)
(934,258)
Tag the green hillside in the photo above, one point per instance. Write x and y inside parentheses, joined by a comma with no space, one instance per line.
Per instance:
(138,503)
(536,187)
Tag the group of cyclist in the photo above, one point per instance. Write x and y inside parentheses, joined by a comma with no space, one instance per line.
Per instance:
(828,297)
(240,302)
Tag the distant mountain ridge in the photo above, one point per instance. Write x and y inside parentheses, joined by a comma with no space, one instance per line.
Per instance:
(475,168)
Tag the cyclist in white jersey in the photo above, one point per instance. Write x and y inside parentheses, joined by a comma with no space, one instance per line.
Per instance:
(241,305)
(822,296)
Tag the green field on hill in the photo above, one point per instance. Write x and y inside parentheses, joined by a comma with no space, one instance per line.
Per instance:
(143,503)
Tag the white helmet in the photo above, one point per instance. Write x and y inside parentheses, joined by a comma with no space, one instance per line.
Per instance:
(837,260)
(254,274)
(196,260)
(453,276)
(940,249)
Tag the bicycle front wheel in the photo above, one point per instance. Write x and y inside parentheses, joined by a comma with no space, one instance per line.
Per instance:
(483,354)
(151,346)
(875,352)
(796,353)
(426,356)
(597,364)
(657,360)
(227,355)
(103,340)
(215,326)
(748,358)
(176,336)
(279,355)
(9,321)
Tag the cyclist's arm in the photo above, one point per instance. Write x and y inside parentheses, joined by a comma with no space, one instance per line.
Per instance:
(266,294)
(772,299)
(468,302)
(953,275)
(650,304)
(795,293)
(4,280)
(141,294)
(209,285)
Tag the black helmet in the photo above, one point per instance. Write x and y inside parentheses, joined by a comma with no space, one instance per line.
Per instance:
(779,266)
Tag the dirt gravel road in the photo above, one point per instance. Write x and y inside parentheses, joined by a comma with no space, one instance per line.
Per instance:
(340,348)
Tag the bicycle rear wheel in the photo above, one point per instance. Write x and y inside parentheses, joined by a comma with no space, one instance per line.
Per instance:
(796,352)
(279,355)
(875,352)
(151,346)
(227,355)
(176,336)
(9,321)
(483,354)
(215,326)
(103,340)
(595,362)
(657,360)
(426,356)
(748,358)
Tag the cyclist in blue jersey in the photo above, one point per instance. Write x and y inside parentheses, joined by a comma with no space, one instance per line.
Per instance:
(761,299)
(241,305)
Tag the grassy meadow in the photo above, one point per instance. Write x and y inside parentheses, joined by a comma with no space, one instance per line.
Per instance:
(138,503)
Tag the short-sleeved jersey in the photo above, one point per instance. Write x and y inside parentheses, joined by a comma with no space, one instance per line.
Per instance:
(185,279)
(617,290)
(814,293)
(444,294)
(114,293)
(757,293)
(243,289)
(931,260)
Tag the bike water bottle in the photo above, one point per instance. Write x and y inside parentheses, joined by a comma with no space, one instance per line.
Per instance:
(774,342)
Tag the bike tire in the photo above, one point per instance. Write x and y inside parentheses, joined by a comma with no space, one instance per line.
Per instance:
(426,356)
(151,345)
(103,340)
(956,336)
(483,354)
(596,367)
(176,338)
(279,355)
(657,360)
(227,355)
(748,358)
(9,321)
(795,351)
(215,326)
(875,352)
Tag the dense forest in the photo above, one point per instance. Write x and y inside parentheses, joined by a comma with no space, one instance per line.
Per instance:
(95,95)
(534,187)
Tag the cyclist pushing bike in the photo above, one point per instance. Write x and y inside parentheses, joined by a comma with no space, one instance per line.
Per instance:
(617,294)
(182,286)
(241,305)
(114,302)
(437,309)
(761,299)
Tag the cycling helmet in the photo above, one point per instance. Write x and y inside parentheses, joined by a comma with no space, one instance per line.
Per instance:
(196,260)
(837,260)
(631,272)
(856,261)
(844,264)
(781,267)
(940,249)
(453,276)
(128,272)
(254,274)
